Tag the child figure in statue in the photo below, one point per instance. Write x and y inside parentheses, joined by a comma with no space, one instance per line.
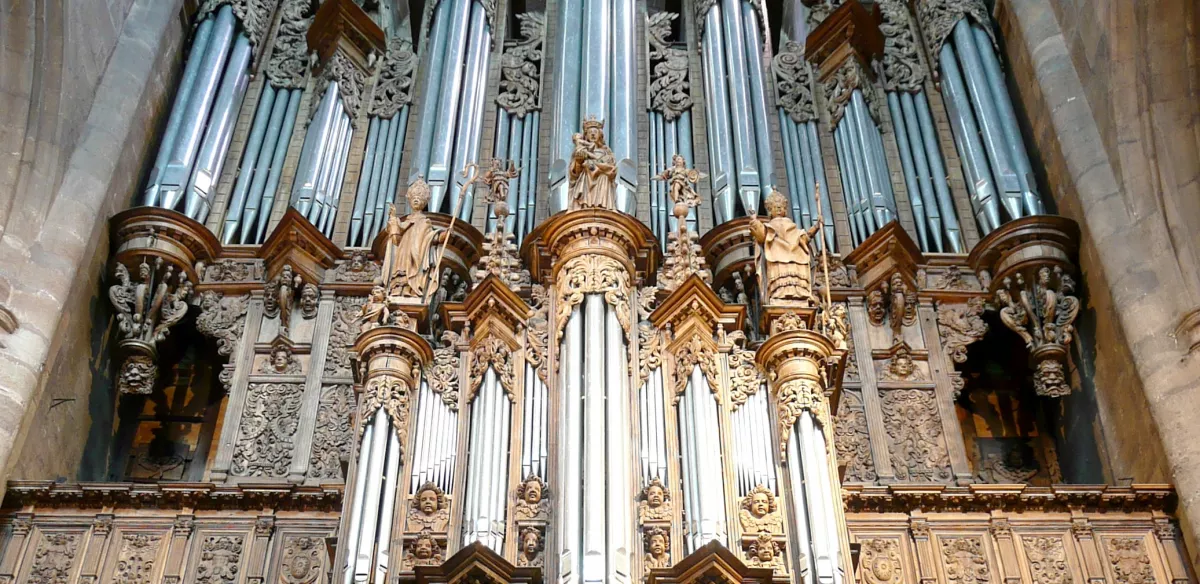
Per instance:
(593,169)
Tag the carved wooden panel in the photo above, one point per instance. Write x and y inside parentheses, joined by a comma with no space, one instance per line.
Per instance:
(914,429)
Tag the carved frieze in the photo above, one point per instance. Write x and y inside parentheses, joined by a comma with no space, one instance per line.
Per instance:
(288,65)
(918,446)
(793,83)
(302,561)
(759,512)
(145,311)
(390,393)
(902,68)
(965,561)
(521,67)
(220,560)
(794,397)
(881,561)
(54,559)
(852,440)
(230,270)
(1047,560)
(689,354)
(650,346)
(393,89)
(952,279)
(333,432)
(670,93)
(265,439)
(137,558)
(429,509)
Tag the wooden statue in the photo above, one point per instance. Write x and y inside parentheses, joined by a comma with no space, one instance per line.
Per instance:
(788,253)
(593,170)
(407,270)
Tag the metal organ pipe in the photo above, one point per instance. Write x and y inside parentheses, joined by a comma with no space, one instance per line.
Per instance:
(449,99)
(471,115)
(262,212)
(384,539)
(805,558)
(263,116)
(566,96)
(211,157)
(970,148)
(356,510)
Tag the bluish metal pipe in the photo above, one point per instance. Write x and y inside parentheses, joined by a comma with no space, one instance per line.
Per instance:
(237,200)
(378,174)
(262,167)
(311,155)
(524,183)
(335,194)
(925,180)
(937,170)
(500,149)
(277,161)
(433,83)
(471,120)
(907,166)
(362,192)
(655,191)
(596,76)
(804,191)
(531,212)
(862,169)
(861,139)
(516,136)
(758,97)
(391,177)
(962,121)
(1008,121)
(325,164)
(990,125)
(624,83)
(179,167)
(449,101)
(741,121)
(207,169)
(683,132)
(819,171)
(184,93)
(567,97)
(849,183)
(724,181)
(795,177)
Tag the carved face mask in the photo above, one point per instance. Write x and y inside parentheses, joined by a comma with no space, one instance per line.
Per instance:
(654,496)
(428,501)
(760,504)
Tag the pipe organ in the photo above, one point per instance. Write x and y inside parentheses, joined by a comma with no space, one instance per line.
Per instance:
(616,347)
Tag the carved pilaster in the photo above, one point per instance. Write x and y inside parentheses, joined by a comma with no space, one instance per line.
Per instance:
(1027,265)
(181,532)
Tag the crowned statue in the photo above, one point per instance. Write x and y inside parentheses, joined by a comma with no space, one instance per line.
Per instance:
(787,252)
(407,264)
(593,169)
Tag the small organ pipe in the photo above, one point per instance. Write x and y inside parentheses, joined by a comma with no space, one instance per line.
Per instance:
(937,169)
(384,540)
(370,514)
(356,510)
(211,156)
(311,154)
(263,115)
(596,76)
(364,180)
(175,121)
(908,167)
(263,212)
(912,136)
(616,400)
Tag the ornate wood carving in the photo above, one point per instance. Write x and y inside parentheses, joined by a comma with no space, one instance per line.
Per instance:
(914,428)
(965,561)
(266,438)
(333,432)
(288,66)
(793,83)
(852,440)
(521,67)
(670,91)
(880,561)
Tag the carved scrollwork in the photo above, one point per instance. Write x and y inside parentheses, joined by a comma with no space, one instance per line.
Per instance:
(254,15)
(54,559)
(965,561)
(342,333)
(960,325)
(793,83)
(265,442)
(1129,561)
(443,370)
(902,69)
(390,393)
(881,561)
(500,258)
(222,318)
(593,274)
(288,65)
(393,90)
(759,512)
(220,559)
(332,434)
(792,399)
(688,355)
(350,80)
(839,88)
(146,310)
(852,440)
(938,18)
(136,560)
(650,346)
(952,279)
(495,353)
(670,92)
(1047,560)
(745,378)
(918,446)
(537,334)
(521,67)
(230,270)
(302,563)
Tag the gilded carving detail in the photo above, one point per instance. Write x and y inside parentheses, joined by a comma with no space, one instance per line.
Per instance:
(852,440)
(136,560)
(1129,562)
(302,563)
(902,69)
(759,512)
(531,502)
(220,559)
(965,561)
(265,442)
(443,370)
(793,83)
(495,353)
(1042,313)
(393,90)
(654,503)
(333,433)
(881,561)
(592,274)
(146,310)
(54,558)
(521,67)
(288,66)
(429,509)
(917,445)
(670,90)
(1047,560)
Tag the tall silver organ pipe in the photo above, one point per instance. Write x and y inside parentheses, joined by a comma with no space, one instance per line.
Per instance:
(452,109)
(261,165)
(518,127)
(867,185)
(534,444)
(200,126)
(435,450)
(372,514)
(596,78)
(813,499)
(317,189)
(798,133)
(920,153)
(652,423)
(985,126)
(700,445)
(487,465)
(753,463)
(740,152)
(596,510)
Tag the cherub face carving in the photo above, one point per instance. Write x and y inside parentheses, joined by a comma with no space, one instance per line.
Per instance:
(423,548)
(760,504)
(530,542)
(533,492)
(427,501)
(658,545)
(655,496)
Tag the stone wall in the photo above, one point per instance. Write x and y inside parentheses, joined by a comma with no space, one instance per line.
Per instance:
(96,108)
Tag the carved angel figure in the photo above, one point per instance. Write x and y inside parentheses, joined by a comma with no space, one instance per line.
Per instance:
(759,512)
(787,251)
(655,502)
(531,544)
(680,180)
(593,169)
(428,509)
(657,542)
(531,499)
(375,311)
(496,179)
(1013,316)
(407,269)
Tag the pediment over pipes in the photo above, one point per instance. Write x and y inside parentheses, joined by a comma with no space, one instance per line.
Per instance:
(477,564)
(711,564)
